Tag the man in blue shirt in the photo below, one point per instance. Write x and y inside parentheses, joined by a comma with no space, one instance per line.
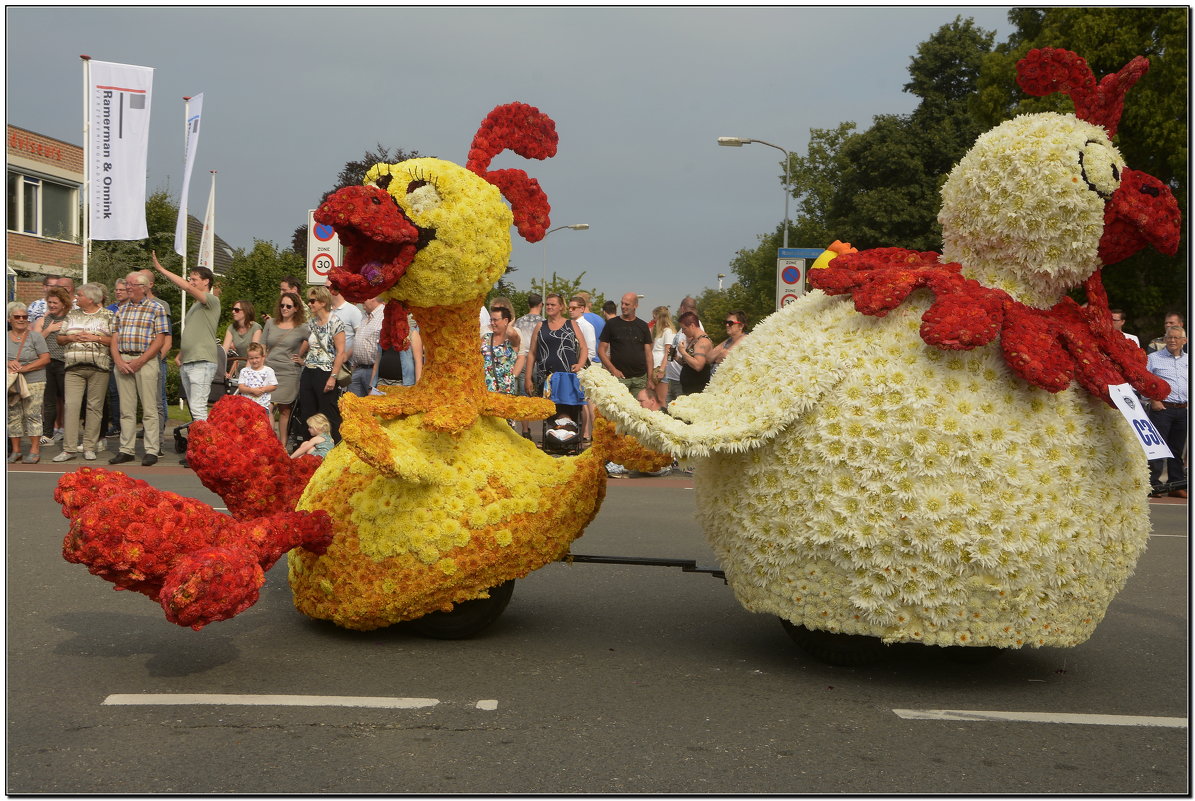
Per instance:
(1170,416)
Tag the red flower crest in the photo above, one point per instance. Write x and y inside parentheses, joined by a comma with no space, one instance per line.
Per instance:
(532,134)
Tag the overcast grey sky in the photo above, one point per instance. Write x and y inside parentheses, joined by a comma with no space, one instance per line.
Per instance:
(639,97)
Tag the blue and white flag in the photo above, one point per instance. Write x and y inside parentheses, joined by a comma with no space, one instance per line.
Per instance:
(193,112)
(118,108)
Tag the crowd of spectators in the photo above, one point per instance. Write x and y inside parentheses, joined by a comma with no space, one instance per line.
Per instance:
(81,372)
(80,369)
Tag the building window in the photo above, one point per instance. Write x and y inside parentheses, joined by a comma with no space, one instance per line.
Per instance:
(42,207)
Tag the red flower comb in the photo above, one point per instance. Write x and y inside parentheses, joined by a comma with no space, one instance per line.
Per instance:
(1047,70)
(532,134)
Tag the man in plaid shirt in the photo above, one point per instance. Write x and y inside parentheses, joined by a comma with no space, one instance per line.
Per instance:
(141,330)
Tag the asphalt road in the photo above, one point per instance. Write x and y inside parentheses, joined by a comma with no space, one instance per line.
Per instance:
(596,679)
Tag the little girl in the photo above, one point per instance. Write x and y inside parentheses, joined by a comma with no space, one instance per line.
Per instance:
(257,380)
(321,438)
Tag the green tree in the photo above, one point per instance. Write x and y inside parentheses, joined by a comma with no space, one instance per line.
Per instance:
(1153,131)
(888,192)
(254,276)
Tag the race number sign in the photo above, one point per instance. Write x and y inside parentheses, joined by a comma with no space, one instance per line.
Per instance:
(1130,406)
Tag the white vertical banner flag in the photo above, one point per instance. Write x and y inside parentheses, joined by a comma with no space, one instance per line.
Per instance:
(118,122)
(207,241)
(193,110)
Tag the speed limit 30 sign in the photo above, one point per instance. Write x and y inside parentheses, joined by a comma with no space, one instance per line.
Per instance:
(324,251)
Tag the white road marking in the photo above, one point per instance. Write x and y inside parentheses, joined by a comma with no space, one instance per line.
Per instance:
(487,705)
(1040,717)
(188,699)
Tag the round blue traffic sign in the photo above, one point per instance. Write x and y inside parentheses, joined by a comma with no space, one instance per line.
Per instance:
(791,274)
(324,232)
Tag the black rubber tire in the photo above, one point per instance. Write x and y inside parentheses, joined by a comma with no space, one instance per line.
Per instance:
(973,655)
(841,650)
(467,619)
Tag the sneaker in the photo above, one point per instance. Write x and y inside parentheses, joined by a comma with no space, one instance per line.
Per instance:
(121,458)
(46,440)
(615,470)
(89,455)
(149,460)
(59,434)
(65,456)
(31,458)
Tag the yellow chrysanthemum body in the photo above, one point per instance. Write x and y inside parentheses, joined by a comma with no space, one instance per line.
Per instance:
(854,479)
(471,222)
(476,510)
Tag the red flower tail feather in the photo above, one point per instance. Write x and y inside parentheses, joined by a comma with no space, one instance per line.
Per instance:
(236,455)
(87,485)
(209,585)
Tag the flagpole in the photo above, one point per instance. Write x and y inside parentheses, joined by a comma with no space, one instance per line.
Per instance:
(182,323)
(86,163)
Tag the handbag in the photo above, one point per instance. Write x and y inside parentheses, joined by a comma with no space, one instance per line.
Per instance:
(18,389)
(343,376)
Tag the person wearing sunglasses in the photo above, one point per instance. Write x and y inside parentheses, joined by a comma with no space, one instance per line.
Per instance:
(736,329)
(285,337)
(325,354)
(242,332)
(27,360)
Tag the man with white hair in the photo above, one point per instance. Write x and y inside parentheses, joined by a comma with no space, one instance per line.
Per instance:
(142,327)
(1169,416)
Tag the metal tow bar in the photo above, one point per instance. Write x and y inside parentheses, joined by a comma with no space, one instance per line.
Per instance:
(686,565)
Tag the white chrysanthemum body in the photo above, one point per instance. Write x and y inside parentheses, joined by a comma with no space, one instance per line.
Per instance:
(1023,210)
(905,492)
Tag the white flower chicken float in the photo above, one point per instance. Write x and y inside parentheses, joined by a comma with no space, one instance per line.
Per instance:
(918,465)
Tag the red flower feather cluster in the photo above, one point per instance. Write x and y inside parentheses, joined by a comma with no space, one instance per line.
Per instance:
(1046,347)
(201,566)
(253,481)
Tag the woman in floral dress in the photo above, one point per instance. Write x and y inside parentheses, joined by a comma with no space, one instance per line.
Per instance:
(318,392)
(500,353)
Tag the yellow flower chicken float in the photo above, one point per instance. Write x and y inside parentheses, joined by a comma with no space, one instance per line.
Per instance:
(434,498)
(938,461)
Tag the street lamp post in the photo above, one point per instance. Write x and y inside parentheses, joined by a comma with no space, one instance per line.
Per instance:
(737,141)
(573,227)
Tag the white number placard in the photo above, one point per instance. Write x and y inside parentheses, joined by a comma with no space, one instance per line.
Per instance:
(1130,406)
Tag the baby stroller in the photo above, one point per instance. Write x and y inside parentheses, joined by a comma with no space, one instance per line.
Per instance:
(221,386)
(562,430)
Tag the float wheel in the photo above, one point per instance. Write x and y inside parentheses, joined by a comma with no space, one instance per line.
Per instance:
(467,619)
(842,650)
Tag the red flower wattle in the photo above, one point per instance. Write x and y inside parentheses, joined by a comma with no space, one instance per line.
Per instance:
(1047,347)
